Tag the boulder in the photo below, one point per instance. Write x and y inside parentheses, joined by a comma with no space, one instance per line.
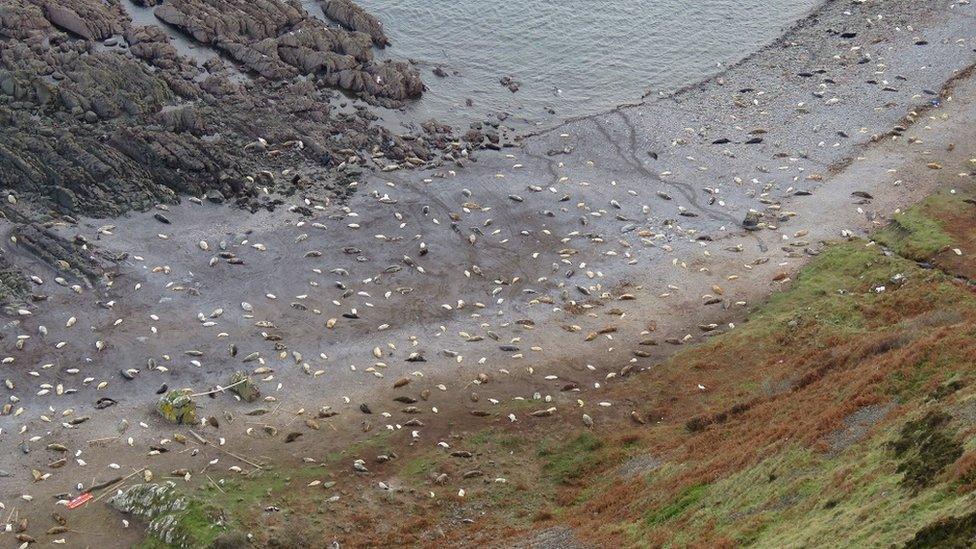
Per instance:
(243,387)
(355,18)
(751,221)
(177,407)
(172,517)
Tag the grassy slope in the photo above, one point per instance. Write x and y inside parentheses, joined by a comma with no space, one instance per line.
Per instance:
(771,465)
(919,233)
(840,413)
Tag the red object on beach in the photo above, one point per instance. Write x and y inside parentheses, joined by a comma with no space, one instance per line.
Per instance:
(79,501)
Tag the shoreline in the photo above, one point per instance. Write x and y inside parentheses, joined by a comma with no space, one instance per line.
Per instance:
(644,101)
(530,107)
(502,261)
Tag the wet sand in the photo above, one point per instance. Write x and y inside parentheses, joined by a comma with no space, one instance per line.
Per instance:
(546,280)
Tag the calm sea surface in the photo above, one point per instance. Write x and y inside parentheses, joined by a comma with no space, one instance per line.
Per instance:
(573,57)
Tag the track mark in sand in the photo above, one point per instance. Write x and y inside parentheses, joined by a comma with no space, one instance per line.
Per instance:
(711,213)
(548,162)
(630,159)
(681,187)
(510,253)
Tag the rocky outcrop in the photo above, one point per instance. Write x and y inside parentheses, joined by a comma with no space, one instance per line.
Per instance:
(152,44)
(74,260)
(99,116)
(385,80)
(355,18)
(278,40)
(21,19)
(245,30)
(13,283)
(88,19)
(101,174)
(242,386)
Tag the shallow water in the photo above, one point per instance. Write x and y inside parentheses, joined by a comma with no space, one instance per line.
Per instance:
(574,57)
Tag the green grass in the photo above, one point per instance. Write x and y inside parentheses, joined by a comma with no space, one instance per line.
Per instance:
(516,504)
(868,495)
(831,297)
(418,467)
(948,532)
(198,521)
(563,463)
(917,233)
(914,383)
(689,497)
(926,447)
(150,542)
(493,437)
(870,508)
(830,290)
(199,525)
(238,500)
(831,294)
(793,499)
(373,443)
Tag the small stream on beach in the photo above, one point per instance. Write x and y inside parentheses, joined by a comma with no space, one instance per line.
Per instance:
(570,57)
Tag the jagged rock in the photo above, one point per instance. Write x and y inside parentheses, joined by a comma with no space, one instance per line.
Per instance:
(88,19)
(355,18)
(13,282)
(20,19)
(278,40)
(95,131)
(474,136)
(183,119)
(151,44)
(57,252)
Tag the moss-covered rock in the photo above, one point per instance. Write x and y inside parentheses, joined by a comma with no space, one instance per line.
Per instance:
(929,227)
(172,517)
(177,407)
(159,504)
(242,386)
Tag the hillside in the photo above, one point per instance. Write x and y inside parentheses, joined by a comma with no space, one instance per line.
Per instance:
(843,409)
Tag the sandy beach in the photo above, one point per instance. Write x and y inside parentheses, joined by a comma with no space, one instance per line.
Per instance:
(586,255)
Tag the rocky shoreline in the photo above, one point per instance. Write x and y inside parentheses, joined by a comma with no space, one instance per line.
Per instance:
(523,286)
(101,115)
(125,120)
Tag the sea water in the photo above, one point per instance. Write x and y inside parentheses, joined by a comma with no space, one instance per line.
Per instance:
(570,57)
